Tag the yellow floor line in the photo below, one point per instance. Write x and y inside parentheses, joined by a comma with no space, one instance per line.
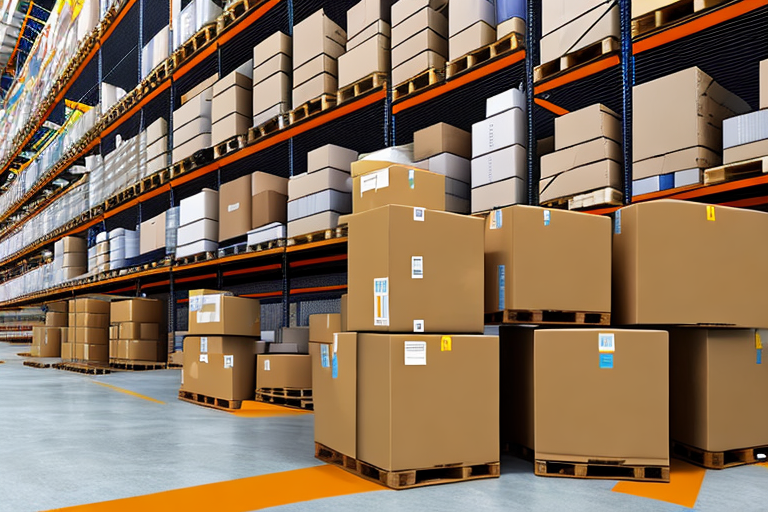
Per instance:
(683,488)
(253,409)
(127,392)
(255,493)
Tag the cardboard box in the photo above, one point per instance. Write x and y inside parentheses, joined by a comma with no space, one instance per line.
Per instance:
(114,334)
(268,207)
(588,28)
(602,174)
(378,28)
(280,63)
(228,373)
(54,319)
(314,88)
(67,351)
(231,126)
(631,370)
(507,100)
(466,14)
(529,265)
(203,205)
(223,315)
(89,335)
(157,130)
(441,138)
(74,259)
(57,307)
(271,91)
(88,305)
(579,155)
(764,84)
(70,244)
(316,66)
(328,178)
(157,148)
(263,181)
(365,13)
(203,229)
(203,87)
(100,320)
(313,223)
(236,79)
(587,124)
(283,371)
(315,35)
(137,310)
(692,158)
(235,208)
(422,41)
(138,331)
(152,234)
(513,25)
(516,386)
(642,273)
(156,164)
(400,272)
(271,113)
(277,43)
(199,106)
(323,327)
(325,200)
(710,369)
(46,342)
(137,350)
(398,185)
(332,156)
(418,64)
(196,127)
(88,352)
(498,194)
(500,131)
(745,129)
(403,9)
(426,17)
(749,151)
(510,162)
(192,146)
(344,312)
(477,36)
(371,56)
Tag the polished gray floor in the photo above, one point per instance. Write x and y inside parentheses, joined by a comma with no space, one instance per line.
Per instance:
(65,440)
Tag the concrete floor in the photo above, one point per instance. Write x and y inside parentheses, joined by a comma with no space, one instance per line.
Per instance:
(65,441)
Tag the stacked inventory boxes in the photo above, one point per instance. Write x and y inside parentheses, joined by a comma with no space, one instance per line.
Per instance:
(398,184)
(192,125)
(269,211)
(677,129)
(499,157)
(235,208)
(318,42)
(136,330)
(198,224)
(271,77)
(510,17)
(746,136)
(195,15)
(155,51)
(157,145)
(471,25)
(588,154)
(570,26)
(70,258)
(318,197)
(368,43)
(220,350)
(232,104)
(123,246)
(445,149)
(88,331)
(419,37)
(102,252)
(152,234)
(46,342)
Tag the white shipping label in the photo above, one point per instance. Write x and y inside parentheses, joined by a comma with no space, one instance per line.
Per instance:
(374,181)
(380,302)
(606,343)
(196,303)
(335,342)
(496,219)
(229,362)
(209,309)
(415,353)
(266,365)
(233,207)
(203,345)
(418,326)
(203,358)
(418,214)
(417,267)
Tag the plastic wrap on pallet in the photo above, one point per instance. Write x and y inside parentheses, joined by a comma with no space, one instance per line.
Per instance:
(508,9)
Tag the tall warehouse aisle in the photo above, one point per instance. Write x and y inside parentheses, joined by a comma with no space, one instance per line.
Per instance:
(69,440)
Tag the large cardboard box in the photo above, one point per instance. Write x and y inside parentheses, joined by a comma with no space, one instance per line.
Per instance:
(403,9)
(426,17)
(268,207)
(378,28)
(323,201)
(441,138)
(283,371)
(89,335)
(466,14)
(136,331)
(226,369)
(331,156)
(215,314)
(89,320)
(315,35)
(686,159)
(500,131)
(587,124)
(58,307)
(137,350)
(422,41)
(237,98)
(711,374)
(398,185)
(749,151)
(95,353)
(419,63)
(263,181)
(500,165)
(189,148)
(403,277)
(602,174)
(371,56)
(205,85)
(46,342)
(201,230)
(630,370)
(311,183)
(152,234)
(203,205)
(67,351)
(54,319)
(366,13)
(498,194)
(585,153)
(235,208)
(661,250)
(530,264)
(277,43)
(271,91)
(87,305)
(324,83)
(578,32)
(137,310)
(197,107)
(316,66)
(234,124)
(323,327)
(477,36)
(279,63)
(514,24)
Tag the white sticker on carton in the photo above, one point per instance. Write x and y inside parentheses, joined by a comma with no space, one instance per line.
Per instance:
(195,303)
(606,343)
(325,356)
(266,365)
(229,362)
(210,309)
(418,214)
(233,207)
(335,342)
(374,181)
(203,345)
(203,358)
(418,326)
(417,267)
(617,223)
(496,219)
(380,302)
(415,353)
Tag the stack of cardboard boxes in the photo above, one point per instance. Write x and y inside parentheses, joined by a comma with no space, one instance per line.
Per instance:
(152,235)
(155,51)
(70,258)
(419,37)
(499,155)
(199,224)
(87,331)
(136,328)
(746,136)
(471,25)
(157,145)
(234,209)
(192,125)
(445,149)
(123,246)
(102,252)
(269,213)
(318,42)
(271,77)
(570,26)
(286,364)
(588,154)
(46,340)
(232,104)
(368,43)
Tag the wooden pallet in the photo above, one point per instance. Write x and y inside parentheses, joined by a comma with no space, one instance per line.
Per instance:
(17,340)
(603,197)
(157,76)
(588,54)
(199,159)
(548,317)
(601,471)
(174,366)
(86,368)
(672,13)
(410,478)
(236,11)
(736,171)
(136,366)
(720,460)
(201,38)
(233,250)
(364,86)
(209,401)
(311,108)
(267,128)
(473,59)
(36,364)
(326,234)
(196,258)
(265,246)
(287,401)
(288,392)
(418,83)
(229,146)
(24,354)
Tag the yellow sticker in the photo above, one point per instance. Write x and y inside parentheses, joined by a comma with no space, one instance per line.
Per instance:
(445,344)
(711,213)
(758,341)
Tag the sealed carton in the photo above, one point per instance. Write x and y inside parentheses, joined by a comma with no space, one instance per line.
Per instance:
(371,56)
(268,207)
(231,125)
(479,35)
(89,320)
(324,83)
(215,314)
(279,63)
(311,183)
(137,350)
(86,305)
(313,223)
(601,148)
(235,208)
(226,369)
(403,9)
(602,174)
(46,342)
(425,60)
(137,331)
(94,353)
(54,319)
(274,90)
(263,181)
(323,201)
(314,67)
(422,41)
(398,185)
(137,310)
(203,205)
(498,194)
(283,371)
(201,230)
(375,29)
(315,35)
(197,107)
(510,162)
(426,17)
(564,34)
(277,43)
(466,14)
(366,13)
(323,327)
(331,156)
(67,351)
(441,138)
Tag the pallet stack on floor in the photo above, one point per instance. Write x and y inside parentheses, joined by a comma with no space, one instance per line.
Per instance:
(87,339)
(136,329)
(46,340)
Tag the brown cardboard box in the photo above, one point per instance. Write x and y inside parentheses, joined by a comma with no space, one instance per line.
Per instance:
(191,147)
(757,149)
(234,79)
(85,305)
(91,335)
(316,66)
(137,310)
(690,158)
(499,194)
(418,64)
(53,319)
(398,185)
(98,320)
(58,307)
(312,183)
(530,264)
(176,358)
(234,124)
(75,259)
(424,40)
(658,265)
(114,332)
(228,374)
(605,173)
(223,315)
(335,397)
(275,44)
(516,386)
(711,374)
(627,369)
(296,336)
(585,153)
(138,331)
(67,351)
(587,124)
(426,17)
(235,208)
(314,88)
(46,342)
(137,350)
(262,181)
(576,29)
(191,130)
(332,156)
(95,353)
(276,64)
(372,56)
(313,223)
(283,371)
(344,312)
(322,327)
(102,248)
(198,106)
(317,34)
(402,9)
(366,13)
(405,275)
(516,25)
(477,36)
(268,207)
(374,29)
(114,349)
(441,138)
(402,406)
(271,91)
(203,86)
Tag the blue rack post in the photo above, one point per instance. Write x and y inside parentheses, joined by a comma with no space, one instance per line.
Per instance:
(627,81)
(531,57)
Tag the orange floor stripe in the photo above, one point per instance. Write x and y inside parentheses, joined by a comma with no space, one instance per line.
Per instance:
(253,409)
(683,487)
(255,493)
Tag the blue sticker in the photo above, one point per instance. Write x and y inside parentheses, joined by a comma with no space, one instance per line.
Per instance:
(606,361)
(547,217)
(759,356)
(497,219)
(617,223)
(502,286)
(325,358)
(335,368)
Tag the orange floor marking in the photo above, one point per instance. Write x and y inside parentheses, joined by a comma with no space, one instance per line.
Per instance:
(253,409)
(254,493)
(683,487)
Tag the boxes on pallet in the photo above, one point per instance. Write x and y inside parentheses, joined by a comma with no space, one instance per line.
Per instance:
(570,26)
(401,185)
(529,267)
(471,25)
(198,224)
(330,156)
(710,370)
(419,38)
(235,208)
(399,273)
(220,366)
(87,352)
(317,44)
(272,63)
(193,18)
(268,232)
(269,196)
(192,125)
(232,104)
(135,330)
(88,330)
(730,295)
(499,194)
(211,313)
(322,327)
(598,175)
(321,196)
(283,371)
(745,137)
(381,27)
(365,15)
(152,234)
(56,319)
(368,57)
(46,342)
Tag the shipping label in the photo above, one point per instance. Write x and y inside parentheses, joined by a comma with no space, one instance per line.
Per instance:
(381,301)
(418,214)
(204,358)
(418,326)
(325,356)
(502,280)
(606,343)
(374,181)
(417,267)
(496,219)
(617,222)
(415,353)
(203,345)
(229,362)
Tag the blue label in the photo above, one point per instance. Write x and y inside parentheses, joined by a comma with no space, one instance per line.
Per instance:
(325,359)
(335,367)
(606,361)
(499,218)
(547,217)
(502,286)
(759,356)
(617,223)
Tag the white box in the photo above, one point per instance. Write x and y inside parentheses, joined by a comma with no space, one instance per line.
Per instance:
(499,194)
(331,156)
(274,231)
(507,100)
(323,201)
(379,28)
(465,13)
(203,229)
(499,131)
(315,35)
(423,41)
(402,9)
(203,205)
(745,128)
(198,106)
(196,248)
(425,18)
(449,165)
(500,165)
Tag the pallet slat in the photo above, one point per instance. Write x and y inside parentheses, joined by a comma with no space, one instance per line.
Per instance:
(736,171)
(418,83)
(326,234)
(595,51)
(548,317)
(312,107)
(364,86)
(475,58)
(601,471)
(669,14)
(86,368)
(720,460)
(136,366)
(209,401)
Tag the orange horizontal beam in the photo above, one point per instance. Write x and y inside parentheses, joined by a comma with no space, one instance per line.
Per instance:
(577,74)
(319,289)
(253,270)
(559,111)
(315,245)
(318,261)
(195,278)
(262,295)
